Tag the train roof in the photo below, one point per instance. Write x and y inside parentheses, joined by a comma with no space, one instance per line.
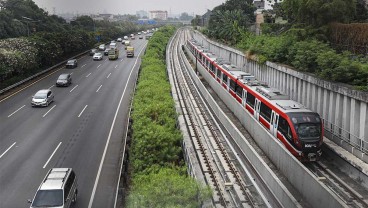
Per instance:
(279,100)
(230,67)
(244,77)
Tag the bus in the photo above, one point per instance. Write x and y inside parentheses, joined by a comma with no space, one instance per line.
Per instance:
(113,54)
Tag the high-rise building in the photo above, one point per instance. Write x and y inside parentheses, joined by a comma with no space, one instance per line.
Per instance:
(158,14)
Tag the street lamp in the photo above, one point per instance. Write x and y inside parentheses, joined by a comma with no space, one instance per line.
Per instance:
(28,21)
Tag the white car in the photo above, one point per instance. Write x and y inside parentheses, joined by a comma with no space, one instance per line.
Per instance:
(119,39)
(97,56)
(126,38)
(101,47)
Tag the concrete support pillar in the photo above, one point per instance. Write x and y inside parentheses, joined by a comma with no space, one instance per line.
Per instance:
(354,128)
(346,115)
(363,124)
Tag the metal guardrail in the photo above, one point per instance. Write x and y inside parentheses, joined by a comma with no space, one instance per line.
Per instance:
(351,139)
(40,73)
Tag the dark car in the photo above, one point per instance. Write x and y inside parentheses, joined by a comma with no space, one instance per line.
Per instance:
(64,80)
(106,52)
(93,51)
(71,63)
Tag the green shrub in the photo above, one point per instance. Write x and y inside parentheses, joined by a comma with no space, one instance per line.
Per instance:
(303,55)
(167,188)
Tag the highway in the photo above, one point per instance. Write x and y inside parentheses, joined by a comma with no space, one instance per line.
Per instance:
(83,129)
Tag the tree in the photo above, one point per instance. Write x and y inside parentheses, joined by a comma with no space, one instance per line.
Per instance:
(167,188)
(318,12)
(228,25)
(85,22)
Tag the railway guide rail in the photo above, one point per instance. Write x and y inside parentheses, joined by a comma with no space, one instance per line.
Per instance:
(352,196)
(229,189)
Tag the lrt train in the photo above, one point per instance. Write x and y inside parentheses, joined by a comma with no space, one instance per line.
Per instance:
(299,129)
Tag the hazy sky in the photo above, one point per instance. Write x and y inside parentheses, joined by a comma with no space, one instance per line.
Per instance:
(128,7)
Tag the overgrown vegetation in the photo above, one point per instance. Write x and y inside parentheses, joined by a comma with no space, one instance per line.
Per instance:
(31,40)
(157,168)
(308,41)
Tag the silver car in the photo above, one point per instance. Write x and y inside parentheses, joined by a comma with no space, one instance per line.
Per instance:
(57,190)
(42,98)
(97,56)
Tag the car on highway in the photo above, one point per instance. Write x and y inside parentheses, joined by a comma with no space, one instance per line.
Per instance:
(102,47)
(127,43)
(92,52)
(126,38)
(72,63)
(140,37)
(58,189)
(97,56)
(42,98)
(106,52)
(64,80)
(119,39)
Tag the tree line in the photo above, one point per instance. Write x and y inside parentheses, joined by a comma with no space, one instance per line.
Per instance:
(32,40)
(312,36)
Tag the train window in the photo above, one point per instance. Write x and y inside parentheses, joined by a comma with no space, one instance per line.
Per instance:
(218,72)
(238,90)
(224,78)
(284,128)
(265,112)
(232,84)
(212,67)
(251,100)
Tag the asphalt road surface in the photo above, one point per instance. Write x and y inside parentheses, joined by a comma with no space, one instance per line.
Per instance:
(83,129)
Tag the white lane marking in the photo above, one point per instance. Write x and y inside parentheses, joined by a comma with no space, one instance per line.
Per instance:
(88,74)
(16,111)
(82,111)
(49,111)
(73,88)
(51,87)
(52,155)
(116,66)
(98,88)
(83,65)
(7,150)
(71,73)
(105,59)
(108,76)
(122,59)
(98,66)
(108,139)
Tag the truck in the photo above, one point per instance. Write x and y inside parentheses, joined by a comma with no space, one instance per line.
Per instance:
(130,51)
(113,53)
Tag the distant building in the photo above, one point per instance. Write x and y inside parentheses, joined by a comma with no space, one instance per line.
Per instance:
(142,14)
(108,17)
(158,14)
(265,5)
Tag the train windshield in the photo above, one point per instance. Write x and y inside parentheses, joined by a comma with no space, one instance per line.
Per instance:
(307,125)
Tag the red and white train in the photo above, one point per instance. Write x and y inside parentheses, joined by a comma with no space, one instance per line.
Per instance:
(298,128)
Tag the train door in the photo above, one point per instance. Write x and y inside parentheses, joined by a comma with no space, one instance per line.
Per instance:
(244,97)
(274,123)
(257,107)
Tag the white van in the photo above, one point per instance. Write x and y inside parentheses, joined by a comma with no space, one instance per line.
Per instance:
(112,45)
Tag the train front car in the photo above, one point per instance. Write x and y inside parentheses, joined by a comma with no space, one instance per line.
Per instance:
(307,130)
